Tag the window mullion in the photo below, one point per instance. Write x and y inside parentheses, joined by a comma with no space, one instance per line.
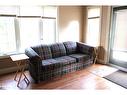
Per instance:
(41,29)
(17,34)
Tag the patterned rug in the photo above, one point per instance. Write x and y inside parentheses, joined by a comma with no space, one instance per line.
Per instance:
(118,77)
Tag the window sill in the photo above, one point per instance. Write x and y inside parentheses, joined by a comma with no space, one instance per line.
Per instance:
(4,56)
(8,55)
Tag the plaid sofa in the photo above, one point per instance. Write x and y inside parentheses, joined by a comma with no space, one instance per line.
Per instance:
(49,61)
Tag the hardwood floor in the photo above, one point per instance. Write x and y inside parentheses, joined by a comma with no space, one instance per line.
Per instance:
(88,78)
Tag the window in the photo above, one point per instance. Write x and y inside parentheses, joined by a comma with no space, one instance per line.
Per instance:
(49,34)
(29,32)
(25,26)
(31,11)
(7,35)
(93,26)
(50,11)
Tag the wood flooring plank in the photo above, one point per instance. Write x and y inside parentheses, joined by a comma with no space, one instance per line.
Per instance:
(88,78)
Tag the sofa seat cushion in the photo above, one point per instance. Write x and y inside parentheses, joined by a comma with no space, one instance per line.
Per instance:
(66,59)
(58,50)
(71,47)
(51,64)
(80,57)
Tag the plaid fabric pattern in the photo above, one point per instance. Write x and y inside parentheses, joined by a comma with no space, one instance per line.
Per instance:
(80,57)
(58,50)
(59,62)
(66,59)
(55,62)
(51,64)
(48,75)
(83,48)
(71,47)
(43,51)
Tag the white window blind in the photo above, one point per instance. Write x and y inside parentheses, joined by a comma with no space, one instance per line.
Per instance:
(50,11)
(29,32)
(7,35)
(93,26)
(49,28)
(9,10)
(31,11)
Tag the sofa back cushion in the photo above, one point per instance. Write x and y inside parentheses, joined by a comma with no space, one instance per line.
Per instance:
(43,51)
(71,47)
(58,50)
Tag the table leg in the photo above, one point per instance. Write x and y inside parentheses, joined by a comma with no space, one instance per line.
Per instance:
(21,69)
(95,51)
(26,79)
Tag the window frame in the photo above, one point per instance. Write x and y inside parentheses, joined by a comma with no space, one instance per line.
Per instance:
(17,28)
(93,17)
(10,16)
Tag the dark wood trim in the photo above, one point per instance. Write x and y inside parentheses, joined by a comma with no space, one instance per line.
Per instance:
(29,16)
(48,17)
(36,17)
(43,17)
(7,15)
(119,8)
(93,17)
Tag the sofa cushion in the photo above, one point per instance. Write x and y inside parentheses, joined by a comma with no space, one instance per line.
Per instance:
(51,64)
(71,47)
(58,50)
(43,51)
(80,57)
(66,59)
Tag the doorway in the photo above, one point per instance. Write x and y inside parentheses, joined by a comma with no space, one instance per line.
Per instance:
(118,42)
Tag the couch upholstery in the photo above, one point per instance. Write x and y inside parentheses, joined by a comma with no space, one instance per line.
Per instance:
(49,61)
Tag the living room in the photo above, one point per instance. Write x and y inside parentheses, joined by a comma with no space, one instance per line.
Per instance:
(25,26)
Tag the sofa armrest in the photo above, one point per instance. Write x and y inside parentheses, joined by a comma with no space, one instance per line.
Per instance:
(86,49)
(35,63)
(33,56)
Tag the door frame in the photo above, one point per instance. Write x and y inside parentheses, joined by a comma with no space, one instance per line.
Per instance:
(112,31)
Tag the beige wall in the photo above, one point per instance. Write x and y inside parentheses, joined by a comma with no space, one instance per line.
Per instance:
(104,36)
(84,24)
(70,23)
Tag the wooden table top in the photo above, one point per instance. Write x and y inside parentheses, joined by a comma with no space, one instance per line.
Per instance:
(19,57)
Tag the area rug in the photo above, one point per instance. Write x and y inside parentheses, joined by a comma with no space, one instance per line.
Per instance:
(119,77)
